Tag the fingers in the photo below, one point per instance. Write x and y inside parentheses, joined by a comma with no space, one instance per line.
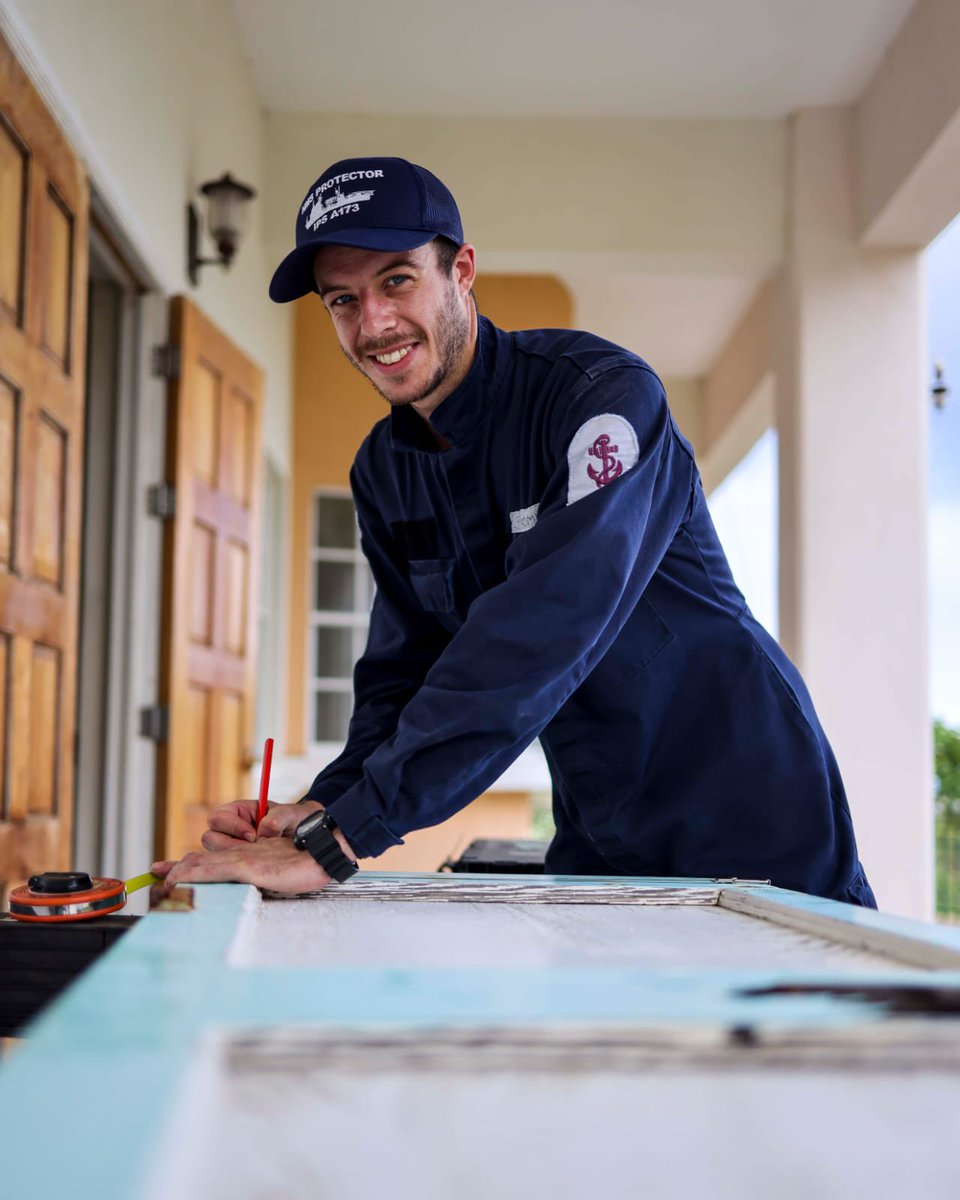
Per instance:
(272,863)
(201,867)
(279,823)
(237,820)
(163,869)
(212,840)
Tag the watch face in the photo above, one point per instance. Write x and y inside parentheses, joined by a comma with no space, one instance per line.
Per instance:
(307,826)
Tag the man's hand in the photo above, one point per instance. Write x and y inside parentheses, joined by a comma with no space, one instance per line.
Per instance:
(233,825)
(273,863)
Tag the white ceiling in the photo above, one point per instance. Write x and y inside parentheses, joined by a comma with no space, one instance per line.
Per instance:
(588,58)
(630,58)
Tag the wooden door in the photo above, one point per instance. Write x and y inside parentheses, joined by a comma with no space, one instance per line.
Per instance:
(43,280)
(208,651)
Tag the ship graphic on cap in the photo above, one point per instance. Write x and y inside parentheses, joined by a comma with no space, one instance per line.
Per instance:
(337,200)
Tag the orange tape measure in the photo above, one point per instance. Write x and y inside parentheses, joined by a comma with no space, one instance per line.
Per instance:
(71,896)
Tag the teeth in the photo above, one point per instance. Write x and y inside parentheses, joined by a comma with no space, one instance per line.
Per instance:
(393,357)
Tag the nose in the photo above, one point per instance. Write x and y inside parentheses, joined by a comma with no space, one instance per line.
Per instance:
(378,314)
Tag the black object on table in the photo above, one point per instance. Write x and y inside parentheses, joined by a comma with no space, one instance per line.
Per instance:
(501,856)
(37,961)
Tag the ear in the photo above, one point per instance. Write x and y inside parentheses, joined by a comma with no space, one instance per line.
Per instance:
(464,269)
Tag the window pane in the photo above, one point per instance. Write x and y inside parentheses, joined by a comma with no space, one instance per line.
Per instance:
(331,716)
(333,586)
(334,651)
(365,587)
(336,524)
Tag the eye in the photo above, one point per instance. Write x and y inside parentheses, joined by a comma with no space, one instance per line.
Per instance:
(396,280)
(340,301)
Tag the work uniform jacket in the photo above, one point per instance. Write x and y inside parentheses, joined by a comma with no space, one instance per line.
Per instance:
(546,566)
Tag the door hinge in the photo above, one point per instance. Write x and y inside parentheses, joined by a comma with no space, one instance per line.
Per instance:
(165,361)
(162,501)
(155,722)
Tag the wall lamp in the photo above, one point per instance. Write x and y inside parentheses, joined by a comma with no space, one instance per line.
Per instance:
(226,204)
(938,389)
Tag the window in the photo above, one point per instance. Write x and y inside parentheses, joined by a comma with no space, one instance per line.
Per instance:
(341,595)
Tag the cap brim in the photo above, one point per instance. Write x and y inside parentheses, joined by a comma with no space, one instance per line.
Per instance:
(294,277)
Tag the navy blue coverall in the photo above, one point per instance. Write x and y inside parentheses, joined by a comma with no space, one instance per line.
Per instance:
(549,569)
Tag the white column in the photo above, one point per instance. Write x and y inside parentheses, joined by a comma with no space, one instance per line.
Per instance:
(852,416)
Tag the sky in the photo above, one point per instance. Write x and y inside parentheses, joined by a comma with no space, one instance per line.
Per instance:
(744,510)
(744,506)
(943,331)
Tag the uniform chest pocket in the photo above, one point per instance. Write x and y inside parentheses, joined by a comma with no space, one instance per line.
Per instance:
(432,580)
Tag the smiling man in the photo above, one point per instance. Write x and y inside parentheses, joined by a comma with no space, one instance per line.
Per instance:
(546,567)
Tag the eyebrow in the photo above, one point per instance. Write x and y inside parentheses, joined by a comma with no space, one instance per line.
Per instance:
(391,266)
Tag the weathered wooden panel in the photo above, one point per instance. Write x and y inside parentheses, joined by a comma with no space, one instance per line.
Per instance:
(334,929)
(45,745)
(236,598)
(49,509)
(9,423)
(205,422)
(13,168)
(59,281)
(201,582)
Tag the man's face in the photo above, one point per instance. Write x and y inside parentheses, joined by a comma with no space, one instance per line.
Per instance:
(400,320)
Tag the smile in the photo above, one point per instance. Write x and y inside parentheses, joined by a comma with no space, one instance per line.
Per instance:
(392,356)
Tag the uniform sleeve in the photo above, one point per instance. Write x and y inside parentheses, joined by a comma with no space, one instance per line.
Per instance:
(402,644)
(620,488)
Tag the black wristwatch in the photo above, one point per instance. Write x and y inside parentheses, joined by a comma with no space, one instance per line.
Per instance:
(315,835)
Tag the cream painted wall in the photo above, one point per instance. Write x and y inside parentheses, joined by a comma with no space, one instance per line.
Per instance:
(551,195)
(157,97)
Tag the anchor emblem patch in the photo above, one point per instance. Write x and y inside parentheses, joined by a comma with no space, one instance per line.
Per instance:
(612,467)
(602,449)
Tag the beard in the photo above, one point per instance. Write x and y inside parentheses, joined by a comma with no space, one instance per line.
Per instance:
(451,334)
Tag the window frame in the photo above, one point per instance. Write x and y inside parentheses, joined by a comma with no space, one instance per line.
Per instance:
(357,619)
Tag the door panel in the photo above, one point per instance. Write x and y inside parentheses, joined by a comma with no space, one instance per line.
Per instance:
(209,630)
(43,268)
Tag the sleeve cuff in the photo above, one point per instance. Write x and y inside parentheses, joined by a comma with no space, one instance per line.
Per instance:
(367,835)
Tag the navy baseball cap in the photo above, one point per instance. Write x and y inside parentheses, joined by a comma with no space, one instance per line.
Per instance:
(373,203)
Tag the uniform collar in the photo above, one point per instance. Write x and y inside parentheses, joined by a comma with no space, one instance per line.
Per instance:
(456,417)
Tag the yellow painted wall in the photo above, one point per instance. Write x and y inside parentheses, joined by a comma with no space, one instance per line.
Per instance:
(334,409)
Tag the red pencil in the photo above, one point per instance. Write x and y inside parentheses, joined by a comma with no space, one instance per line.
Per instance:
(264,779)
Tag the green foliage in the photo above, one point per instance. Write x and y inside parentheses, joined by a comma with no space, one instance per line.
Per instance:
(946,767)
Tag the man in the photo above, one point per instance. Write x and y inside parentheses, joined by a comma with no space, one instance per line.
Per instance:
(546,567)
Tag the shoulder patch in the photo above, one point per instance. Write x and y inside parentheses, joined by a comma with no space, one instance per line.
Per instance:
(601,450)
